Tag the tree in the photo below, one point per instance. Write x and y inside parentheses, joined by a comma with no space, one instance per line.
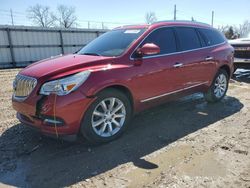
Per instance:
(150,17)
(230,33)
(223,28)
(40,15)
(244,29)
(65,16)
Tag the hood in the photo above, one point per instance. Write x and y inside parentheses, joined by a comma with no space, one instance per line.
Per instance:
(240,41)
(61,64)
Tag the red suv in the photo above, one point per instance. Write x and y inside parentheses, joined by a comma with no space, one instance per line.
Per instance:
(96,91)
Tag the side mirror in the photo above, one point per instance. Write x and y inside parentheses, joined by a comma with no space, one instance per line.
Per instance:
(148,49)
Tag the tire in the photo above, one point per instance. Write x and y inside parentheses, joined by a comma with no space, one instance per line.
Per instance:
(235,68)
(220,84)
(101,125)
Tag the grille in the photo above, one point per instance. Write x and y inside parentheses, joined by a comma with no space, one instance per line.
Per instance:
(242,54)
(242,51)
(23,85)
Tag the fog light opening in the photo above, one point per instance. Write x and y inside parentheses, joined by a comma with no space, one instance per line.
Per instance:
(53,122)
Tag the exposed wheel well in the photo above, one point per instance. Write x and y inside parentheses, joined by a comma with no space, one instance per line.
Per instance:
(124,90)
(227,69)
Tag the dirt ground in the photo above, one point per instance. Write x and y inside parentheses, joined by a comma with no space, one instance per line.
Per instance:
(186,143)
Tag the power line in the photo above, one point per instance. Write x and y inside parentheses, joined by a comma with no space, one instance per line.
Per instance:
(20,18)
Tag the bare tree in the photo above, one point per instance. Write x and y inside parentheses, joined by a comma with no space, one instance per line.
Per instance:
(223,28)
(150,17)
(244,29)
(65,16)
(40,15)
(230,31)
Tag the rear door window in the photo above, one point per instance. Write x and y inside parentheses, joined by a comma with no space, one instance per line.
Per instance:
(188,38)
(211,37)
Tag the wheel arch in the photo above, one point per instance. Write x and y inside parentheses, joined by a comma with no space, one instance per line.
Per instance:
(122,89)
(227,69)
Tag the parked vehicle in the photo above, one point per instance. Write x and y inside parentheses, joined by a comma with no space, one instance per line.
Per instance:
(96,91)
(242,53)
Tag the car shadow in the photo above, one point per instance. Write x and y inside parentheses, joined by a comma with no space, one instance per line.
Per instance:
(242,75)
(31,160)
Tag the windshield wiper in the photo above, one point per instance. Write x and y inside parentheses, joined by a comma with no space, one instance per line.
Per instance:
(94,54)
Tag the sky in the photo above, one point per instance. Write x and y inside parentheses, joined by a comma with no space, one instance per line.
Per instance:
(226,12)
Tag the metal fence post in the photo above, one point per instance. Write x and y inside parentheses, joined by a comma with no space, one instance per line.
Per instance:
(61,41)
(97,33)
(11,47)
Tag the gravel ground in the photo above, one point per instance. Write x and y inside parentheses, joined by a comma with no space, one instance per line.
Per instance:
(186,143)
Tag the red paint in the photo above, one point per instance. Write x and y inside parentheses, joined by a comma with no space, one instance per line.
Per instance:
(149,49)
(144,78)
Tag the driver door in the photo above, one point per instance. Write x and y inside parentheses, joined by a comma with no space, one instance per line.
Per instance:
(159,75)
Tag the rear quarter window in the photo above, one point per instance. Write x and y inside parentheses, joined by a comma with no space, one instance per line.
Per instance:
(211,37)
(188,38)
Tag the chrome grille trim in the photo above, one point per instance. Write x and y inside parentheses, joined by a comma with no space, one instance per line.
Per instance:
(23,86)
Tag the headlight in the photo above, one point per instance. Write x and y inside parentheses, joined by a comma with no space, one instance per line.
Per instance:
(65,85)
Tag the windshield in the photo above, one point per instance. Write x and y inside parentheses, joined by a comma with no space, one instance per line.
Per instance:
(112,43)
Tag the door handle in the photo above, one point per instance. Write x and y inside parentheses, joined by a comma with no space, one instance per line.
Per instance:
(209,58)
(176,65)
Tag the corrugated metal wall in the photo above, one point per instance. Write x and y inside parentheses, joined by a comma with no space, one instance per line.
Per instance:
(21,46)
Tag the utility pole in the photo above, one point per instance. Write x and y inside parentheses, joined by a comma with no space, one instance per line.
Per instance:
(175,12)
(88,24)
(212,23)
(11,15)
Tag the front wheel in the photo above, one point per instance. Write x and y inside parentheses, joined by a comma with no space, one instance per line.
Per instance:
(219,87)
(107,117)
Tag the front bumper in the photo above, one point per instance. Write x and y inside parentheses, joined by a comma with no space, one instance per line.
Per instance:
(241,60)
(68,109)
(242,63)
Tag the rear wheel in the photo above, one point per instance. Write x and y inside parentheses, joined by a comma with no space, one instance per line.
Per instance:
(107,117)
(235,68)
(219,87)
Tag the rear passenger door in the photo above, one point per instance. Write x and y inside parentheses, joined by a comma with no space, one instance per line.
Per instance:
(212,39)
(197,66)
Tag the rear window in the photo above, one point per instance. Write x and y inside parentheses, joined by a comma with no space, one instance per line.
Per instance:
(211,37)
(188,38)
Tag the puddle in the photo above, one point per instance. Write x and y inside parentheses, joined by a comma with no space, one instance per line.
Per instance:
(183,160)
(162,162)
(204,165)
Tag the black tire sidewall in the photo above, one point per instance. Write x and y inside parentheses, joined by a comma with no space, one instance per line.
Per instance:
(86,127)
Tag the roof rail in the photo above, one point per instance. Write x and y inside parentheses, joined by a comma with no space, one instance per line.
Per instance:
(181,21)
(132,25)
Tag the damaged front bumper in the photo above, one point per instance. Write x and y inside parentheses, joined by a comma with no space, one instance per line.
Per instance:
(53,115)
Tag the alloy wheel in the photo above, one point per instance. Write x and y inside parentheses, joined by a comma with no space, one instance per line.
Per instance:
(220,86)
(108,117)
